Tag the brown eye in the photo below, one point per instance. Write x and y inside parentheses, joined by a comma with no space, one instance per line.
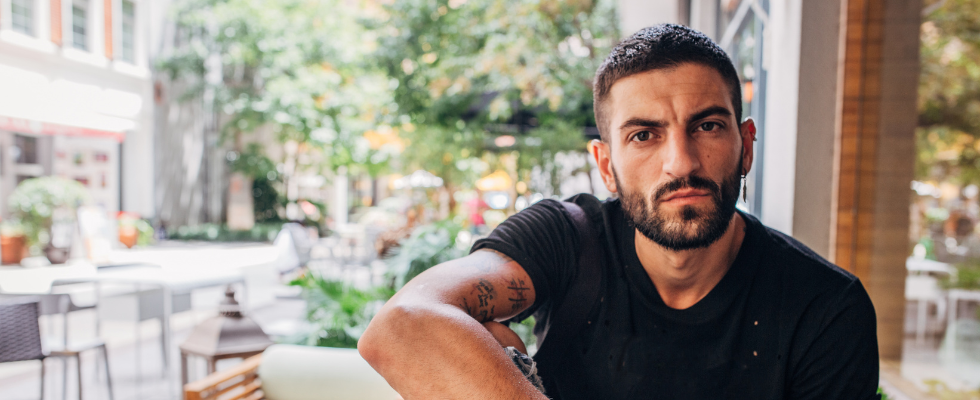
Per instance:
(708,126)
(641,136)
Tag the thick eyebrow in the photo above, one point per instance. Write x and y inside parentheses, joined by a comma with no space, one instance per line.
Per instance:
(708,112)
(635,122)
(653,123)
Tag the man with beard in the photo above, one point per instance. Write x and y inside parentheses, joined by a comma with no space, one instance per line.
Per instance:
(694,300)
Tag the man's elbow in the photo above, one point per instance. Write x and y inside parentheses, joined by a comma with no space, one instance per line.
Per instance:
(387,332)
(371,345)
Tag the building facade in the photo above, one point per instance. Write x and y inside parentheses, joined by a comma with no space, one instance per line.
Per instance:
(76,98)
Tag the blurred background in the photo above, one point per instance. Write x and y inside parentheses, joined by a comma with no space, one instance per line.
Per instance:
(185,182)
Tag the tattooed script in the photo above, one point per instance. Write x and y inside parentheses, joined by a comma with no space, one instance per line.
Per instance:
(479,304)
(484,292)
(518,299)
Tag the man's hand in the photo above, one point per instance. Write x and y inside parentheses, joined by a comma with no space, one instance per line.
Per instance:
(505,336)
(436,338)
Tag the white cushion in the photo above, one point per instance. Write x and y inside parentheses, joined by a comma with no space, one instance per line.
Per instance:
(292,372)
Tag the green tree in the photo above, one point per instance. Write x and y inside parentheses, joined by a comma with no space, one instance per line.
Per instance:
(296,67)
(948,137)
(467,71)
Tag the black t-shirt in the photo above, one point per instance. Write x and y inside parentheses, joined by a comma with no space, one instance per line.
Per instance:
(783,323)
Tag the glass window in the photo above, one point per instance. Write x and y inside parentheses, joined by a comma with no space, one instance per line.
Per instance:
(128,31)
(740,24)
(25,149)
(79,24)
(22,16)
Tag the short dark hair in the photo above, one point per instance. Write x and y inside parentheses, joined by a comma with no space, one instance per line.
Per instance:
(660,47)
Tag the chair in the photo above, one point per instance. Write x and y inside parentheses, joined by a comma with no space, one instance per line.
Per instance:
(20,340)
(290,372)
(924,289)
(294,245)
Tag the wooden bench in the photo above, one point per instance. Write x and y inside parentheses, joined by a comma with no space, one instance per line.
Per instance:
(239,383)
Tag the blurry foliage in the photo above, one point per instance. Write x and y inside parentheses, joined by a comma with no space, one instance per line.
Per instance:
(465,71)
(295,66)
(261,232)
(525,330)
(948,137)
(338,311)
(939,390)
(414,84)
(266,199)
(35,203)
(427,246)
(144,230)
(146,233)
(967,276)
(341,312)
(253,163)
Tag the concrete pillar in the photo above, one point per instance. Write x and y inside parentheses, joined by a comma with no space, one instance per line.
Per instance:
(704,17)
(876,154)
(638,14)
(801,111)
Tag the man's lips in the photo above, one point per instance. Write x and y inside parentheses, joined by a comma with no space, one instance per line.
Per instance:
(686,194)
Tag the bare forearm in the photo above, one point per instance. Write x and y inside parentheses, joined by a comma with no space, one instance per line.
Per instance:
(439,351)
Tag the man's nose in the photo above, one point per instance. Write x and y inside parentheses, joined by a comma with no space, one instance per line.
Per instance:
(680,155)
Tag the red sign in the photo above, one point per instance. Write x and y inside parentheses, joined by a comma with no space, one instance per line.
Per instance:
(47,128)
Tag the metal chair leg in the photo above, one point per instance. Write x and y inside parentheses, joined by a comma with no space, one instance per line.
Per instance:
(64,378)
(105,363)
(163,345)
(42,379)
(78,369)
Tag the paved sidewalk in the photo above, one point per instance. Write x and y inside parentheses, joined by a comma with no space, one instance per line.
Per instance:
(136,367)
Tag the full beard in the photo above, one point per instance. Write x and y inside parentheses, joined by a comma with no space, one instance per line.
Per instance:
(690,228)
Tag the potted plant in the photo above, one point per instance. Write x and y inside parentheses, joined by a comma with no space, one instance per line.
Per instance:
(12,242)
(128,231)
(47,207)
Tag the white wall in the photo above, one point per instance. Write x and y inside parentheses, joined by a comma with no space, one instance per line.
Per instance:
(800,126)
(638,14)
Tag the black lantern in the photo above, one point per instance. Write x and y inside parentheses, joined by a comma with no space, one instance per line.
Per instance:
(229,335)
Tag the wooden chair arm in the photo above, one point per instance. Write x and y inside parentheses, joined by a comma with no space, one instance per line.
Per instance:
(238,383)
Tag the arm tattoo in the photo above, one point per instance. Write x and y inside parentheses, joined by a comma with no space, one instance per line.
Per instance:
(484,293)
(518,299)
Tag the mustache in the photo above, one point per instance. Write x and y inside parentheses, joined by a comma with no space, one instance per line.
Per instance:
(688,182)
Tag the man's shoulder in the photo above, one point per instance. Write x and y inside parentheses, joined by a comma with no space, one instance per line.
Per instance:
(552,208)
(804,276)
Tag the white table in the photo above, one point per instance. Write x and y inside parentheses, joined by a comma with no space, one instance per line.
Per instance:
(175,269)
(915,265)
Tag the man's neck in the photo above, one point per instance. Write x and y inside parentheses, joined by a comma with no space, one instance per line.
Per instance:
(684,277)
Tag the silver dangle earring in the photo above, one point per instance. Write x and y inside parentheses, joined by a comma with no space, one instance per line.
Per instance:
(744,190)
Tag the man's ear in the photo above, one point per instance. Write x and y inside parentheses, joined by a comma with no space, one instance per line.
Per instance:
(601,151)
(747,130)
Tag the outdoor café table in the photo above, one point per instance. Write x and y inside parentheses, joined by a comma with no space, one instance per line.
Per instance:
(175,269)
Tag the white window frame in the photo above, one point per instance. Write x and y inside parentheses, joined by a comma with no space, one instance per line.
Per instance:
(35,17)
(87,5)
(139,65)
(40,40)
(118,28)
